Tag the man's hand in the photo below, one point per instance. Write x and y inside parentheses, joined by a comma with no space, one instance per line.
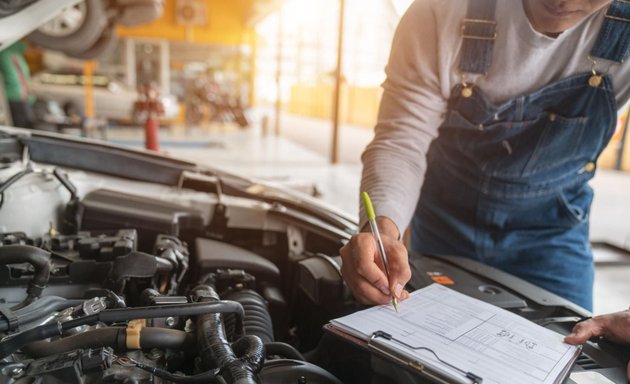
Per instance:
(363,270)
(614,327)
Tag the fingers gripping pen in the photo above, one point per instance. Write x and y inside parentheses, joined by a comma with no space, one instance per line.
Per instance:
(369,209)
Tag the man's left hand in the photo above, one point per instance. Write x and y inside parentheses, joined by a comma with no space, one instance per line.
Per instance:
(614,327)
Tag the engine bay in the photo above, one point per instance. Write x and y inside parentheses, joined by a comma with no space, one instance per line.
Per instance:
(118,266)
(157,285)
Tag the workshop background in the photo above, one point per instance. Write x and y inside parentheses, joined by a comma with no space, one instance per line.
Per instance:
(282,91)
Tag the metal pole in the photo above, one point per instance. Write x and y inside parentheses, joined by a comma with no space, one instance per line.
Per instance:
(252,68)
(334,158)
(165,67)
(279,75)
(88,87)
(130,63)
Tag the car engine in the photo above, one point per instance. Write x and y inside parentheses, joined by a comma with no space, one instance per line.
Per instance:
(111,280)
(122,266)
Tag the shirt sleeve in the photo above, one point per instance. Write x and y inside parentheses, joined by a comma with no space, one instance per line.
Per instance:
(411,110)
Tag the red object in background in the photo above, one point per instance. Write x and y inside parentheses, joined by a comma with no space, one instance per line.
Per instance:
(150,105)
(151,128)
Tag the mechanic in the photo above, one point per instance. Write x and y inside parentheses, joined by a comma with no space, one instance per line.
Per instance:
(16,76)
(520,110)
(614,327)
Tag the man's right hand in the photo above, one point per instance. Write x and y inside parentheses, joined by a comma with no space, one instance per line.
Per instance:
(363,270)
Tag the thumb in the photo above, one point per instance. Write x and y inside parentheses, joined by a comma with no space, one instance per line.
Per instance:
(584,331)
(578,336)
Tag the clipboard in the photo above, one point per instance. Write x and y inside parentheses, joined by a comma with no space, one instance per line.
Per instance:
(422,369)
(446,337)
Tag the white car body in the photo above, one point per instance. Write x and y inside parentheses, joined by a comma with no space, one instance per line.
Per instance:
(112,99)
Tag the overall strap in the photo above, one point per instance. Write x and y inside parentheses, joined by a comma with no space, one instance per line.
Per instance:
(613,42)
(479,31)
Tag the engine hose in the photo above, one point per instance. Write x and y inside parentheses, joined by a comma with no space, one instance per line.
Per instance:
(116,338)
(38,258)
(257,318)
(244,369)
(250,350)
(97,338)
(12,344)
(38,310)
(215,350)
(283,349)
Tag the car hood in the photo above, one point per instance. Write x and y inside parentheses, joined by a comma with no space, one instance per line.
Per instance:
(104,159)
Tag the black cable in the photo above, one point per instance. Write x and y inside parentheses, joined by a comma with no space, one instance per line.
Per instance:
(38,258)
(115,337)
(42,308)
(11,180)
(206,377)
(30,299)
(12,344)
(239,362)
(65,181)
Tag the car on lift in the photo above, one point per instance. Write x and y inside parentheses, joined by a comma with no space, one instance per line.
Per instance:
(85,29)
(113,100)
(80,28)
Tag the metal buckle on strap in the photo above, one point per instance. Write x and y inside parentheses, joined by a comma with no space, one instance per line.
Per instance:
(618,18)
(482,22)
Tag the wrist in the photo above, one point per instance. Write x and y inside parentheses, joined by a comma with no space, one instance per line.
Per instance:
(386,226)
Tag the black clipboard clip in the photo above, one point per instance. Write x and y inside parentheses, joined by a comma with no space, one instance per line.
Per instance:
(416,365)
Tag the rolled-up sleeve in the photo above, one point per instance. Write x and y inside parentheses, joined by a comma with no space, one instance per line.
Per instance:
(411,110)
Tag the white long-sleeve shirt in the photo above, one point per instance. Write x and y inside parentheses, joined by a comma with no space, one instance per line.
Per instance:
(423,68)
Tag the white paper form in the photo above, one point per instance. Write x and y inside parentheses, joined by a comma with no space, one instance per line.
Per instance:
(474,336)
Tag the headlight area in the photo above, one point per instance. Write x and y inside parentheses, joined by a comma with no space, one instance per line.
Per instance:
(111,285)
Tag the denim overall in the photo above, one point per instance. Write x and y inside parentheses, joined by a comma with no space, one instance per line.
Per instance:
(507,184)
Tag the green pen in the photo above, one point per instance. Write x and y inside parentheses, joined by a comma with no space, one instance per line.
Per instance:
(369,209)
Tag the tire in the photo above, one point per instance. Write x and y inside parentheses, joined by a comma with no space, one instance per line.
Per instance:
(74,39)
(104,45)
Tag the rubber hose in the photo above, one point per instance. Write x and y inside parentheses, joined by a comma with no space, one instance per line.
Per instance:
(244,370)
(257,319)
(168,338)
(97,338)
(10,345)
(251,350)
(214,349)
(38,258)
(216,352)
(115,337)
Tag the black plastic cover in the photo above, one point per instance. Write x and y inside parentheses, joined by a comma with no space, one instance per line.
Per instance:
(106,158)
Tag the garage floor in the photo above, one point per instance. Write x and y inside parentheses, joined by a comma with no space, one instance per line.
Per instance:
(300,159)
